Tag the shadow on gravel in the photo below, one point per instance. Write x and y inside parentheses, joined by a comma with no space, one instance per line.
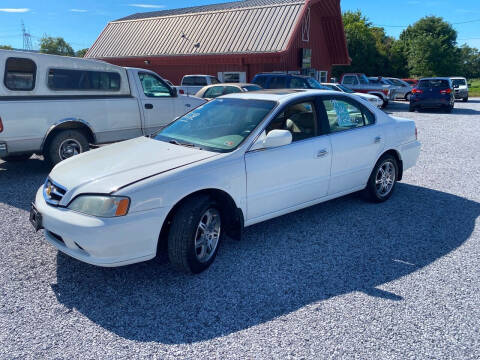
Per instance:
(280,266)
(28,176)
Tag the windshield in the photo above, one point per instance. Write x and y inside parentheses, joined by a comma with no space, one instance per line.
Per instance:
(314,84)
(459,82)
(220,125)
(345,89)
(251,88)
(398,82)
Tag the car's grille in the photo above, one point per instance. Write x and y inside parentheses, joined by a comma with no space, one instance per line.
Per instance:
(53,192)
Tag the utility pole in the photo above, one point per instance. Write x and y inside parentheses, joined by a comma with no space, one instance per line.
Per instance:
(27,39)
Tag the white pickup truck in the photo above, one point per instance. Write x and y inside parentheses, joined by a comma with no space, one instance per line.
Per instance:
(191,84)
(59,106)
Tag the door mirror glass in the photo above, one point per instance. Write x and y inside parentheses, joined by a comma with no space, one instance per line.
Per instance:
(173,92)
(276,138)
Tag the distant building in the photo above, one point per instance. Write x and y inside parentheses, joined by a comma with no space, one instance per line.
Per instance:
(233,41)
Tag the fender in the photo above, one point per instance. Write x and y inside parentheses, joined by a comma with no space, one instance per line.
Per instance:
(66,121)
(376,93)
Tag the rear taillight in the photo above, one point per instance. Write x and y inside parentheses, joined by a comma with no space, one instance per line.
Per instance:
(446,91)
(386,91)
(181,91)
(416,91)
(1,125)
(416,133)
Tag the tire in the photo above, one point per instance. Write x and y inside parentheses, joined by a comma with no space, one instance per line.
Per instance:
(16,158)
(65,144)
(185,236)
(411,108)
(465,99)
(385,103)
(376,192)
(449,109)
(408,96)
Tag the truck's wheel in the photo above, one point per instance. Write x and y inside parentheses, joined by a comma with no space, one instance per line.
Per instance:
(385,103)
(65,144)
(14,158)
(465,99)
(195,234)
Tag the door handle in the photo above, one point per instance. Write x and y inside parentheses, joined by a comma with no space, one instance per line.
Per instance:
(148,106)
(377,139)
(321,153)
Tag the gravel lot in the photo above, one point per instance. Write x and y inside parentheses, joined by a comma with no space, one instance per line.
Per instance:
(344,279)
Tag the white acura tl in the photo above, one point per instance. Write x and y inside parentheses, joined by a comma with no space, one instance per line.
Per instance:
(233,162)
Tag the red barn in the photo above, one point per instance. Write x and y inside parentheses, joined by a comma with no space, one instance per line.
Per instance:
(233,40)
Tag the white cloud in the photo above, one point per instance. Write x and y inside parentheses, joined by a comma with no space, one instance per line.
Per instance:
(78,10)
(147,6)
(17,10)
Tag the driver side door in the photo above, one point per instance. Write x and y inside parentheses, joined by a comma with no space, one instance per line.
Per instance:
(281,178)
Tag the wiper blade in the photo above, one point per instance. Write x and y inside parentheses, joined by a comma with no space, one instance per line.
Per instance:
(175,142)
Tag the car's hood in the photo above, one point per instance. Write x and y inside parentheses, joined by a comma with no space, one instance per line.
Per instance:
(110,167)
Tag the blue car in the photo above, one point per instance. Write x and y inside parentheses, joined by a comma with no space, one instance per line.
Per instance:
(433,93)
(287,81)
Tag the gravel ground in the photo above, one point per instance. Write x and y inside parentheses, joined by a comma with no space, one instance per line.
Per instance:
(344,279)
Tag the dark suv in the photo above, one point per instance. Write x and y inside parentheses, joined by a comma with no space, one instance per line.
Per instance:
(433,93)
(287,81)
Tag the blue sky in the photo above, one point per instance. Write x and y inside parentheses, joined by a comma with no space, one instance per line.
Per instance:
(80,22)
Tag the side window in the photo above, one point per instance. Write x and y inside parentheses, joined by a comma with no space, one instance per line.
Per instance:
(343,115)
(64,79)
(213,92)
(20,74)
(199,81)
(277,82)
(214,80)
(300,119)
(231,90)
(297,83)
(350,80)
(153,86)
(187,81)
(260,80)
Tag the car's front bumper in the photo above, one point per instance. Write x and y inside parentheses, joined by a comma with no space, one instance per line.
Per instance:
(3,150)
(102,241)
(461,94)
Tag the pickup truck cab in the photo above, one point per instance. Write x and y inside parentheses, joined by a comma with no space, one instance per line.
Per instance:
(59,106)
(191,84)
(360,83)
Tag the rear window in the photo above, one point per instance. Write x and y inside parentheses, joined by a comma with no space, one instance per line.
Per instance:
(434,83)
(260,80)
(20,74)
(66,79)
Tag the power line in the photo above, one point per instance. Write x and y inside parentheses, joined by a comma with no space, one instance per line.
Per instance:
(405,26)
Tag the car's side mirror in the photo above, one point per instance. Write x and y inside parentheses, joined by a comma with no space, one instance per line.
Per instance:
(275,138)
(173,92)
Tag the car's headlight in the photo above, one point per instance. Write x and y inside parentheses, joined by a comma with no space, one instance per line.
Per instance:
(101,205)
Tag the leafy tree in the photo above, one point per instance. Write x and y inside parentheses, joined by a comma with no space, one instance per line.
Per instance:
(6,47)
(81,52)
(469,62)
(56,46)
(431,47)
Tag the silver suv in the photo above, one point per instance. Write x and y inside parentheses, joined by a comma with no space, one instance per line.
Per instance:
(460,88)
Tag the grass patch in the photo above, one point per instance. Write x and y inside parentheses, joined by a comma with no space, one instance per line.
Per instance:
(474,90)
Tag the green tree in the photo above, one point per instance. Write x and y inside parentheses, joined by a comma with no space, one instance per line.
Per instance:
(6,47)
(81,53)
(469,62)
(56,46)
(431,47)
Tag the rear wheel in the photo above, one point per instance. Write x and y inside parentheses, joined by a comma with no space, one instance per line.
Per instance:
(66,144)
(411,108)
(408,96)
(16,158)
(449,109)
(195,234)
(465,99)
(382,180)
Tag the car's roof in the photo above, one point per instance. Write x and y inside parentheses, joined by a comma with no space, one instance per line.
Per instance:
(278,94)
(198,75)
(231,84)
(458,78)
(283,74)
(435,78)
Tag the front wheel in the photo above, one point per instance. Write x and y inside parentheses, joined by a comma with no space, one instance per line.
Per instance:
(382,180)
(66,144)
(465,99)
(408,96)
(195,234)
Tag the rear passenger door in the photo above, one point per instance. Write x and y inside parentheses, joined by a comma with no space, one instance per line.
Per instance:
(157,103)
(357,141)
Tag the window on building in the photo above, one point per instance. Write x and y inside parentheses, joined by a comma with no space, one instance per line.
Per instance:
(153,86)
(63,79)
(323,75)
(20,74)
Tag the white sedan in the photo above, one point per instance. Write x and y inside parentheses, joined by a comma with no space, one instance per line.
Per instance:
(372,99)
(233,162)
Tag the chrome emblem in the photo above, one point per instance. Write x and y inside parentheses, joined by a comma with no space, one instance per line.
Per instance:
(48,191)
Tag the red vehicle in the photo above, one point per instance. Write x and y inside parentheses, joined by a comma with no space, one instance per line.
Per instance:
(412,82)
(360,83)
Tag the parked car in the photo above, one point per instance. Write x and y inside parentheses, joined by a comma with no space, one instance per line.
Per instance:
(212,91)
(433,93)
(460,88)
(58,106)
(380,80)
(374,100)
(360,83)
(412,82)
(191,84)
(235,161)
(403,90)
(278,80)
